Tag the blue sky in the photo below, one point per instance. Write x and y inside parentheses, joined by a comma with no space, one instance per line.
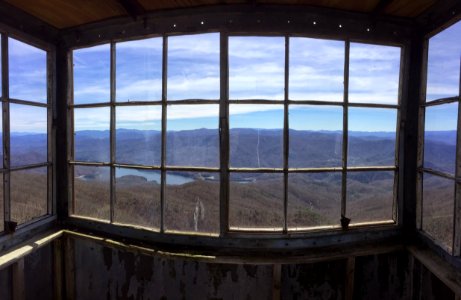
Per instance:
(256,71)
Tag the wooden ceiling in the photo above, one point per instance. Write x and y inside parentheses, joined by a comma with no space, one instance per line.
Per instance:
(70,13)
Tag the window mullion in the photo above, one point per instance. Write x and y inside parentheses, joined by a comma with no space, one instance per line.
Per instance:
(163,138)
(224,134)
(6,129)
(286,140)
(457,206)
(344,221)
(112,129)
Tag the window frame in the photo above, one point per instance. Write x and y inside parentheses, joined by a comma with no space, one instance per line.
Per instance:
(224,168)
(49,105)
(421,169)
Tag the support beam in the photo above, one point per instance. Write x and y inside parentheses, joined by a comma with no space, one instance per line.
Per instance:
(237,19)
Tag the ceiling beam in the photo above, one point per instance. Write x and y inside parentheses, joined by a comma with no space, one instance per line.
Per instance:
(19,23)
(440,15)
(133,8)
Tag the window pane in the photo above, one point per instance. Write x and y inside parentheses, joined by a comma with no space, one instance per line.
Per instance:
(192,202)
(193,135)
(256,136)
(314,200)
(440,137)
(139,136)
(370,196)
(137,197)
(316,69)
(372,133)
(27,69)
(28,134)
(256,201)
(91,134)
(315,136)
(438,206)
(92,74)
(2,216)
(256,67)
(193,66)
(92,192)
(139,70)
(374,73)
(443,64)
(28,194)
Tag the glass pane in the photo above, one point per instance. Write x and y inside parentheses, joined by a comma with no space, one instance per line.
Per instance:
(92,74)
(374,73)
(314,200)
(372,133)
(137,197)
(92,192)
(193,66)
(28,134)
(193,135)
(192,202)
(370,196)
(27,69)
(29,190)
(443,64)
(256,67)
(315,136)
(91,134)
(316,69)
(139,135)
(438,207)
(2,216)
(256,201)
(440,137)
(256,136)
(139,70)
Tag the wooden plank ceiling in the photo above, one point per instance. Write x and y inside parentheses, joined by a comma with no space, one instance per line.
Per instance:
(70,13)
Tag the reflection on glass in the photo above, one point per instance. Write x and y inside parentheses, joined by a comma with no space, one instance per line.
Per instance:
(316,69)
(139,70)
(256,136)
(440,137)
(256,201)
(314,199)
(443,64)
(92,192)
(29,198)
(91,134)
(193,135)
(193,66)
(92,74)
(315,136)
(370,196)
(192,202)
(372,133)
(27,71)
(438,205)
(256,67)
(1,203)
(374,73)
(137,197)
(138,135)
(28,134)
